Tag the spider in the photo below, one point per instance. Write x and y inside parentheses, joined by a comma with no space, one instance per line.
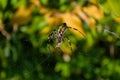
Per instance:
(59,35)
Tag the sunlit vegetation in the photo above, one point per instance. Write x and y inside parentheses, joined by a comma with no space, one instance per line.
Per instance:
(35,46)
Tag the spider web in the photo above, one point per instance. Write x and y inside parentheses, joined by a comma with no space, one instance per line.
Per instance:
(48,58)
(20,51)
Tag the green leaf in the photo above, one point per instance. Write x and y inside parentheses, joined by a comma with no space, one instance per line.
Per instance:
(64,68)
(18,3)
(1,14)
(7,50)
(14,52)
(45,2)
(115,7)
(3,3)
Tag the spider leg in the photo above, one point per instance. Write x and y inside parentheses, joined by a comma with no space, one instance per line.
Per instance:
(49,49)
(51,39)
(76,30)
(69,42)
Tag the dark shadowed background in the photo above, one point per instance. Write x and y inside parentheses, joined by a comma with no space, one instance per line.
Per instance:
(27,54)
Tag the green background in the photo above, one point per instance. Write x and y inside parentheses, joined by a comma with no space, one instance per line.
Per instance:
(26,56)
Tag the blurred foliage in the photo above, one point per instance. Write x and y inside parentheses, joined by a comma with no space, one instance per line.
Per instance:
(25,53)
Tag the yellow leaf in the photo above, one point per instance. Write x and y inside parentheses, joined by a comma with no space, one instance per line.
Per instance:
(73,21)
(45,30)
(52,20)
(79,12)
(93,11)
(117,19)
(65,49)
(92,1)
(22,15)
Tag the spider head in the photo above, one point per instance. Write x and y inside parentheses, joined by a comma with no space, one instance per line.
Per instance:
(64,24)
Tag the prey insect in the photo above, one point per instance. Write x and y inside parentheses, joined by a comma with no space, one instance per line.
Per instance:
(59,35)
